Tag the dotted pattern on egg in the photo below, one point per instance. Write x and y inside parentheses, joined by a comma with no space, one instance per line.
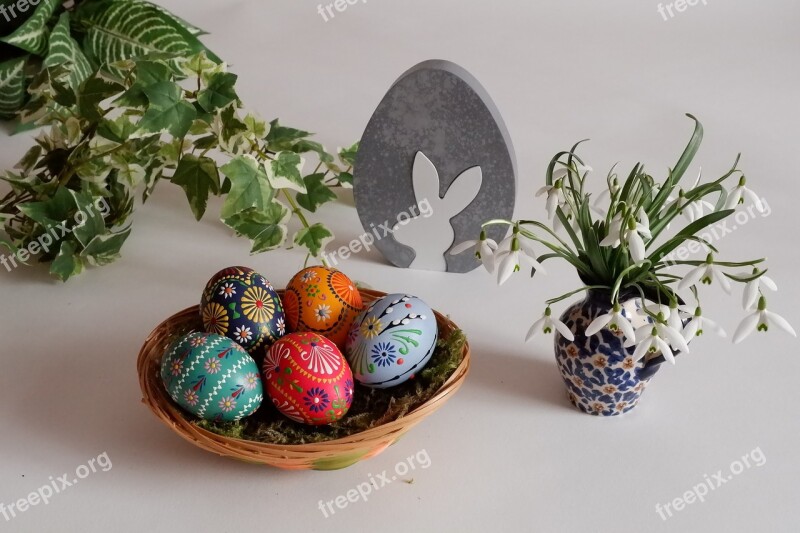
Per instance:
(393,339)
(323,301)
(242,305)
(212,377)
(308,379)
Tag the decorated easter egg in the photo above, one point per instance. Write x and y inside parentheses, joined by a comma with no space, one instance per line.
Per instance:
(242,305)
(308,379)
(391,340)
(322,300)
(212,377)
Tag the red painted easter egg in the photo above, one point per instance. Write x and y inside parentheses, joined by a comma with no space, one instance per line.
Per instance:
(308,379)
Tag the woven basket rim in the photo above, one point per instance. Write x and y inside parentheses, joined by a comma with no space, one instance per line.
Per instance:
(156,398)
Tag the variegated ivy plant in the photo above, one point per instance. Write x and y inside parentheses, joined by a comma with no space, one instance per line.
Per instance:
(140,100)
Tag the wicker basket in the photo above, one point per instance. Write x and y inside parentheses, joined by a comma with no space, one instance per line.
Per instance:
(328,455)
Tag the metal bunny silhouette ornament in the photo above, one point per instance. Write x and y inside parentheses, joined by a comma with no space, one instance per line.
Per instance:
(436,140)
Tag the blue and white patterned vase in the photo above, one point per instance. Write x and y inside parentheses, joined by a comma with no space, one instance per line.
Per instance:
(601,376)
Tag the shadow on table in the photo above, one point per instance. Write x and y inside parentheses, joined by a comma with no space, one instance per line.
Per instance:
(534,377)
(87,401)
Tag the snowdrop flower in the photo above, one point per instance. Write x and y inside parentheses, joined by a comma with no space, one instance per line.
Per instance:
(738,194)
(484,250)
(632,235)
(760,320)
(652,338)
(555,196)
(697,325)
(752,289)
(706,274)
(614,320)
(511,259)
(613,237)
(605,195)
(546,324)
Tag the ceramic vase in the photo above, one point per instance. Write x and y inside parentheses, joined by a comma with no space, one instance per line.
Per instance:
(600,374)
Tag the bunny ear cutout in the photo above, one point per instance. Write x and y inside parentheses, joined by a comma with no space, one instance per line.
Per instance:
(425,178)
(463,190)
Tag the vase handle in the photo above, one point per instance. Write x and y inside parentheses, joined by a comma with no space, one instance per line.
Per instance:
(652,366)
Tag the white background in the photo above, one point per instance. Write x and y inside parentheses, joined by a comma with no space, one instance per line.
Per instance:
(508,452)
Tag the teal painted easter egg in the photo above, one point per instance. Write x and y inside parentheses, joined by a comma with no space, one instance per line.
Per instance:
(212,377)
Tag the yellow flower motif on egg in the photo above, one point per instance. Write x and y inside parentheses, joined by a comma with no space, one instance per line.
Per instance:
(258,305)
(371,327)
(215,319)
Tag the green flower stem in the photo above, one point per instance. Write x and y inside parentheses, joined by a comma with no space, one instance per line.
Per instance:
(576,291)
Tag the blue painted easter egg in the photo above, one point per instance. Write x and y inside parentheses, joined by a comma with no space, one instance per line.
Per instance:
(242,305)
(212,377)
(391,341)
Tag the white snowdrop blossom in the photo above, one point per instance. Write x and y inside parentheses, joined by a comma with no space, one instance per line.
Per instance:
(632,233)
(706,274)
(698,324)
(613,320)
(484,250)
(738,194)
(510,261)
(658,337)
(760,320)
(547,324)
(555,197)
(752,288)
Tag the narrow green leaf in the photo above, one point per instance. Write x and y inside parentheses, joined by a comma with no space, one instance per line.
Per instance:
(688,231)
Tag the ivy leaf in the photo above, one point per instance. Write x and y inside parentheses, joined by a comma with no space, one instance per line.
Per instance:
(219,92)
(32,35)
(282,138)
(64,50)
(249,186)
(348,155)
(314,238)
(67,263)
(92,93)
(168,111)
(146,73)
(104,249)
(317,193)
(284,172)
(12,86)
(345,180)
(58,208)
(266,227)
(196,176)
(119,30)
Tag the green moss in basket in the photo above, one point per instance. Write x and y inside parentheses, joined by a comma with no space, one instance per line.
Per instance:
(371,407)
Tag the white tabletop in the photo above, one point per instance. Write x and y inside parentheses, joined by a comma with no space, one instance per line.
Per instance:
(507,453)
